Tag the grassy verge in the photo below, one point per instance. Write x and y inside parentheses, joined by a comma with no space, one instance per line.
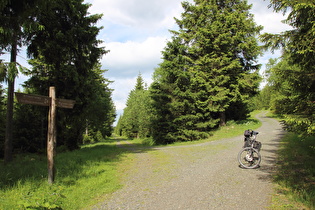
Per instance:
(84,177)
(295,178)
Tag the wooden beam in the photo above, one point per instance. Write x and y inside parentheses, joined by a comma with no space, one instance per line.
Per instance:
(33,99)
(65,103)
(43,100)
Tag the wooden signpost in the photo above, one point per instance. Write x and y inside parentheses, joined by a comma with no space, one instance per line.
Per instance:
(52,102)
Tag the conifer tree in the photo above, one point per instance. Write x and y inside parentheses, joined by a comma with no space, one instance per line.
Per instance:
(16,27)
(2,120)
(135,122)
(68,51)
(118,127)
(209,70)
(298,63)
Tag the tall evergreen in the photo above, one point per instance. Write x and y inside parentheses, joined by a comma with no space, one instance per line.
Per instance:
(16,26)
(298,62)
(175,113)
(2,121)
(100,113)
(66,55)
(135,121)
(208,72)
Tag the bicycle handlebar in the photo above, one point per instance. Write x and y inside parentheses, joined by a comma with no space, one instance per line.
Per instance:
(250,132)
(255,132)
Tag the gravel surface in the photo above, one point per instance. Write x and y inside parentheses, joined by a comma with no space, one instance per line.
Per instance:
(203,176)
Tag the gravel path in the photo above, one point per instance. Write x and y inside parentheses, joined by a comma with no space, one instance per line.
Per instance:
(203,176)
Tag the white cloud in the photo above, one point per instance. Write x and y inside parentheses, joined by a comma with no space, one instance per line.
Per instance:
(272,22)
(265,16)
(148,16)
(122,88)
(127,59)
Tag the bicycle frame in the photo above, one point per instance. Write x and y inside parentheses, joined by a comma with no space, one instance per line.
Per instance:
(249,156)
(250,140)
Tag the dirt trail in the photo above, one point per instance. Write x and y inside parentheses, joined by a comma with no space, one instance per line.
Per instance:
(203,176)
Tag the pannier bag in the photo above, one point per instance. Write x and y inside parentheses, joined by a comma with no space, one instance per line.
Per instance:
(257,145)
(246,143)
(248,133)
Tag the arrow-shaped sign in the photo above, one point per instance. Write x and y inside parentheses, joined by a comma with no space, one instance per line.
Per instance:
(43,100)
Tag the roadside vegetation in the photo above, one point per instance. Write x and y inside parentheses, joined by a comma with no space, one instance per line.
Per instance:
(295,177)
(84,177)
(87,176)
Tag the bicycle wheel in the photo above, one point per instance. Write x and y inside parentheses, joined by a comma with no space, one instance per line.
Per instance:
(249,157)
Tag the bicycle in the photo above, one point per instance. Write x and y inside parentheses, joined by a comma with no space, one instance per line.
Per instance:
(249,157)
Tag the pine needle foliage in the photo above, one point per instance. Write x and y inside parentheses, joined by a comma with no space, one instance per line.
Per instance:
(135,121)
(209,70)
(293,77)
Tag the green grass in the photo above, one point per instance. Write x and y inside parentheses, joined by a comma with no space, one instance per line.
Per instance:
(82,177)
(295,178)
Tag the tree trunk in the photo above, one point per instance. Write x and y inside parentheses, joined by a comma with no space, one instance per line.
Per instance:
(8,146)
(222,119)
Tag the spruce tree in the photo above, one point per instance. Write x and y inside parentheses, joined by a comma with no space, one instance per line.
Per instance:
(299,61)
(209,69)
(135,122)
(2,120)
(16,26)
(69,50)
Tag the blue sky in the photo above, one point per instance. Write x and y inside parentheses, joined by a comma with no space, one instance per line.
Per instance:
(136,31)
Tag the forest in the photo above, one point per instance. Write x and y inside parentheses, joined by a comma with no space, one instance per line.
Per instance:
(209,74)
(60,38)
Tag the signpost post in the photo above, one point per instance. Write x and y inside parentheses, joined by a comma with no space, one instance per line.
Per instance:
(52,102)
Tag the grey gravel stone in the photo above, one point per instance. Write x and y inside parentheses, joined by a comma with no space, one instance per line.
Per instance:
(203,176)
